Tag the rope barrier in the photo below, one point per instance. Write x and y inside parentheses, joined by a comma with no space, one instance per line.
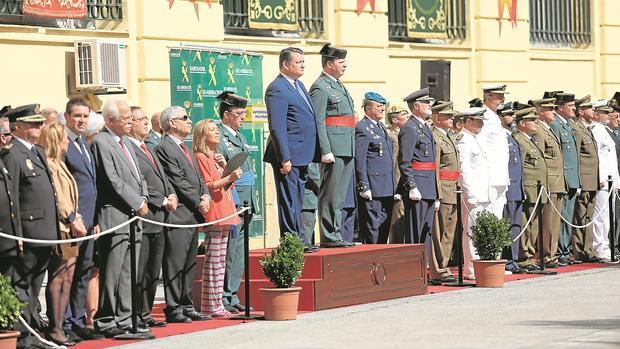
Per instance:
(37,336)
(597,212)
(111,230)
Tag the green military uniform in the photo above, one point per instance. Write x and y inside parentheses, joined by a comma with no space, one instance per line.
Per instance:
(588,171)
(550,145)
(311,201)
(398,225)
(444,226)
(230,145)
(331,99)
(534,169)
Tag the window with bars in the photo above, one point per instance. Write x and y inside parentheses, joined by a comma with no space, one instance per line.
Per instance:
(560,23)
(455,10)
(309,20)
(111,10)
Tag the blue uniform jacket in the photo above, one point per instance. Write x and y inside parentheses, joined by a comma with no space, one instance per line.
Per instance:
(373,159)
(515,171)
(416,144)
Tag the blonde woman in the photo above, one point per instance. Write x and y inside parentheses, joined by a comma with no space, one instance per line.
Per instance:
(205,140)
(54,141)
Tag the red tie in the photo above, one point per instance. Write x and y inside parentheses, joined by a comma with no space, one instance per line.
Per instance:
(148,153)
(128,154)
(186,152)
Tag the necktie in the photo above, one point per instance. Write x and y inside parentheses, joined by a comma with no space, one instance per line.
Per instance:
(128,154)
(301,93)
(83,150)
(186,152)
(148,154)
(34,151)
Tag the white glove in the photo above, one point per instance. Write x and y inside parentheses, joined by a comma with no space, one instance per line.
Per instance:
(578,191)
(397,197)
(437,204)
(366,194)
(471,202)
(328,158)
(414,195)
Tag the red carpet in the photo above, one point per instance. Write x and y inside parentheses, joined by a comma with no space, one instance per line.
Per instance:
(176,329)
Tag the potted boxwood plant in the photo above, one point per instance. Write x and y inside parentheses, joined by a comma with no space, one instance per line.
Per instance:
(490,235)
(10,309)
(283,267)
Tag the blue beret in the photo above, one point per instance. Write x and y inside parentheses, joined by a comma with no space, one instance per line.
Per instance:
(374,96)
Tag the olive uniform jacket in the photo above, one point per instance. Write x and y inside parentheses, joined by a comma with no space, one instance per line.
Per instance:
(588,156)
(447,160)
(551,147)
(534,167)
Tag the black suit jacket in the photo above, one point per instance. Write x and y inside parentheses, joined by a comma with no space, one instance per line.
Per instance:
(186,180)
(84,174)
(9,214)
(37,196)
(158,185)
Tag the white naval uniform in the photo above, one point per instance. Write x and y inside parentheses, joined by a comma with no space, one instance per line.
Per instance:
(494,144)
(474,168)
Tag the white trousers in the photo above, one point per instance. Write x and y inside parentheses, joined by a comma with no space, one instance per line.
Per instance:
(469,251)
(497,198)
(600,244)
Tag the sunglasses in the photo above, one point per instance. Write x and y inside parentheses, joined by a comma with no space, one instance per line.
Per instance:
(184,118)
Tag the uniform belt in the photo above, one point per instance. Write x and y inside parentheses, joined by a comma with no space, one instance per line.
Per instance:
(344,121)
(423,166)
(446,175)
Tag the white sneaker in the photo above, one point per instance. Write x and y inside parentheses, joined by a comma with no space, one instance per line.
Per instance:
(507,272)
(469,277)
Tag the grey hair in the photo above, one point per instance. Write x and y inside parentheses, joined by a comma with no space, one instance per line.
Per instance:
(110,108)
(95,123)
(168,114)
(46,112)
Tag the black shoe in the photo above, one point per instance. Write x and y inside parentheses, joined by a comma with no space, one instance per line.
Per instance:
(86,333)
(140,329)
(530,267)
(309,249)
(335,244)
(447,279)
(241,307)
(231,309)
(560,262)
(178,318)
(112,332)
(155,323)
(574,261)
(552,265)
(67,343)
(434,282)
(565,261)
(72,336)
(516,270)
(196,316)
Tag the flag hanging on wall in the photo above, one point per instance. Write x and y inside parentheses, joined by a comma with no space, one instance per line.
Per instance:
(74,9)
(426,19)
(362,3)
(512,10)
(171,2)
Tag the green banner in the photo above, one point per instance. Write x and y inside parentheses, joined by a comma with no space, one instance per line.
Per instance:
(426,19)
(197,77)
(273,14)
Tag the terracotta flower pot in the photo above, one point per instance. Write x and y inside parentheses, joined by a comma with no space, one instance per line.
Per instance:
(8,339)
(280,303)
(489,273)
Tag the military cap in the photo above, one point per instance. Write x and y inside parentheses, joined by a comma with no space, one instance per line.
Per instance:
(583,102)
(4,110)
(602,105)
(396,109)
(562,98)
(505,109)
(228,97)
(516,105)
(25,113)
(614,102)
(332,52)
(443,108)
(476,102)
(544,102)
(495,88)
(473,113)
(551,94)
(525,114)
(375,97)
(419,96)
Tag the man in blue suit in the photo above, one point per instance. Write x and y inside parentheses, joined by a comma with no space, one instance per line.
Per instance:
(374,172)
(418,170)
(292,142)
(79,161)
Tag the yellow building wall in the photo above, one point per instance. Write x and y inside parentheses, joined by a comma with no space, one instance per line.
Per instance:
(36,63)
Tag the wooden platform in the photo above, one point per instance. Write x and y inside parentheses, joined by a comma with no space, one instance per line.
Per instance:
(346,276)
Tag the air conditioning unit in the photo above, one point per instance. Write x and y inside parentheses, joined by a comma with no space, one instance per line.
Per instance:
(100,66)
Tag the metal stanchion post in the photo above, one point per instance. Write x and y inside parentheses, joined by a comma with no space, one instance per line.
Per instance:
(134,334)
(612,228)
(541,235)
(459,243)
(246,264)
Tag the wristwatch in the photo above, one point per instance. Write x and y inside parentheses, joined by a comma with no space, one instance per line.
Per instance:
(71,218)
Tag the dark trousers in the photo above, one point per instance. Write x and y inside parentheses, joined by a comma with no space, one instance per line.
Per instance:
(582,238)
(616,228)
(335,180)
(179,269)
(420,217)
(308,220)
(566,231)
(513,211)
(347,225)
(76,311)
(290,194)
(375,218)
(235,260)
(115,281)
(149,266)
(29,274)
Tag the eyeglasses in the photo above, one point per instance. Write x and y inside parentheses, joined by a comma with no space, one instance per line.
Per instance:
(184,118)
(239,114)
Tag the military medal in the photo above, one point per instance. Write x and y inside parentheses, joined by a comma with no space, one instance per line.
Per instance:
(380,149)
(29,164)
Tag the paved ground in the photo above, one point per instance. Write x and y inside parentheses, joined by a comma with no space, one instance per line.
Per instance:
(575,310)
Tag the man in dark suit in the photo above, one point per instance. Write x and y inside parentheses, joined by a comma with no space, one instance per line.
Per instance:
(162,199)
(180,244)
(80,162)
(26,163)
(374,172)
(154,136)
(9,221)
(121,194)
(292,143)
